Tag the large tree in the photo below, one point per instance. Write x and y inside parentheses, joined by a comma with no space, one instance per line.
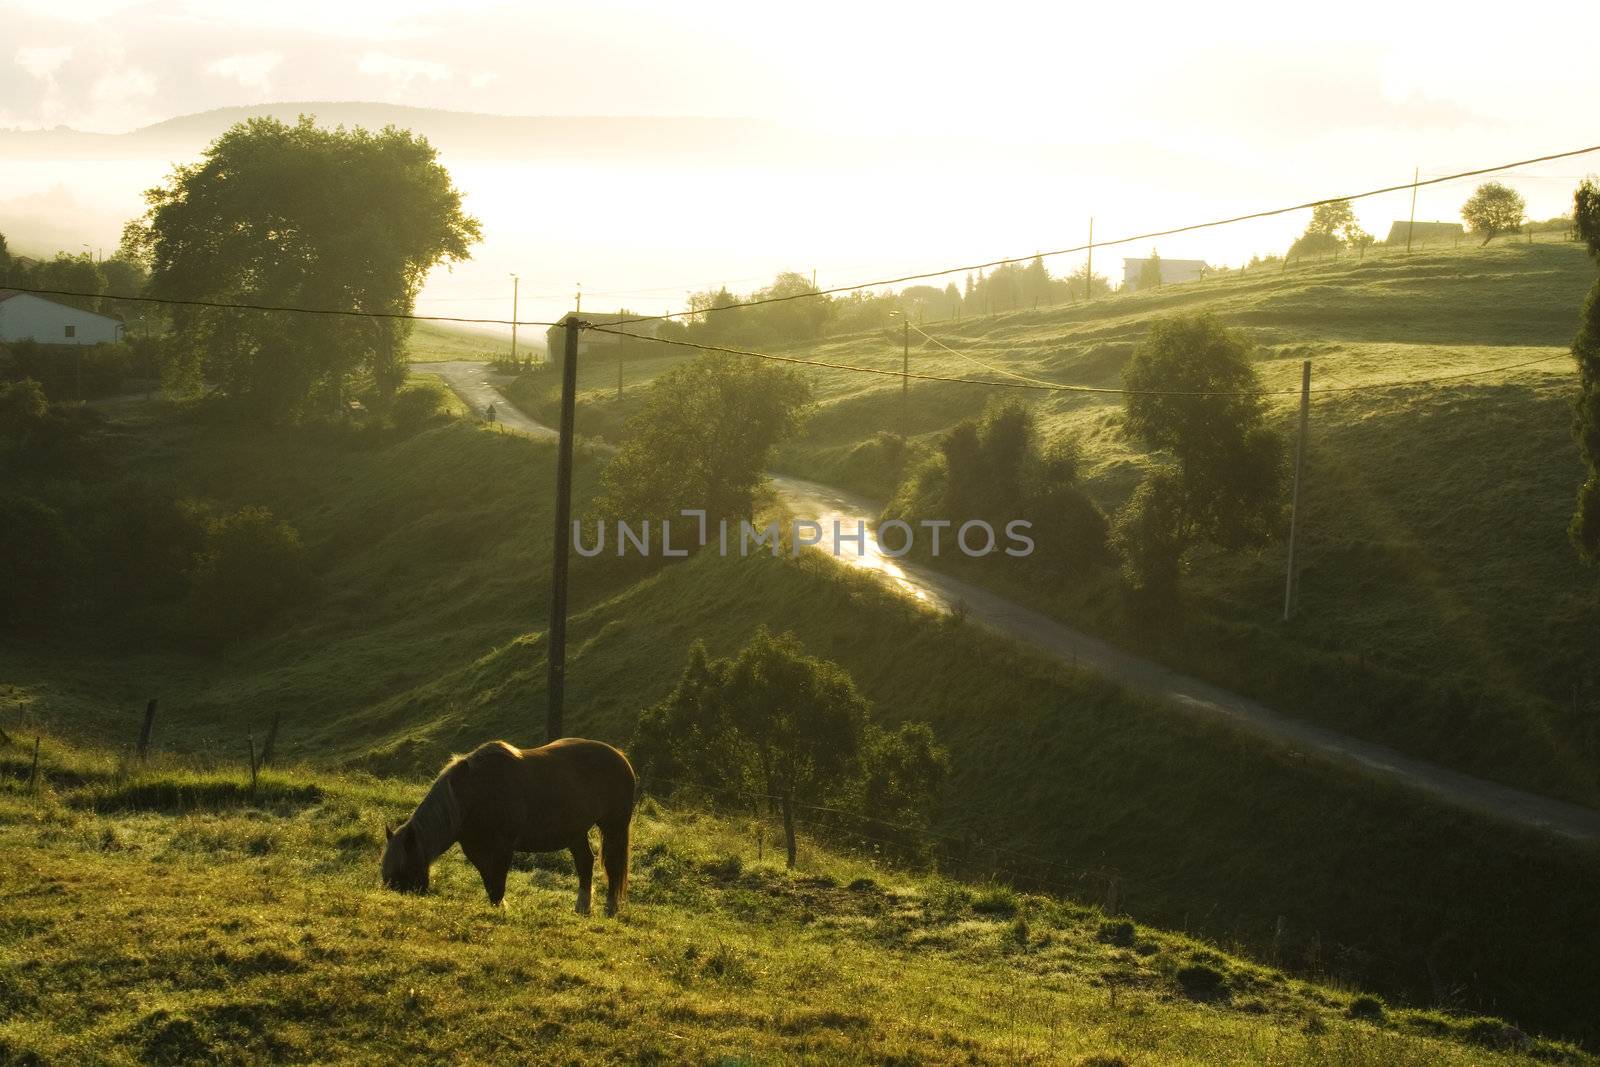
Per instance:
(281,214)
(704,437)
(1585,528)
(1193,397)
(1493,209)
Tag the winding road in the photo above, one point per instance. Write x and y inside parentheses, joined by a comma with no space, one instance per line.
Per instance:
(477,385)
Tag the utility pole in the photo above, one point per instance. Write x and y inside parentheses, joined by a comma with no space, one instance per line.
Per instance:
(579,298)
(515,281)
(558,568)
(1088,270)
(1416,175)
(1294,500)
(905,378)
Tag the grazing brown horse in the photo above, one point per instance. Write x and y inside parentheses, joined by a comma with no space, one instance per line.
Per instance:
(500,799)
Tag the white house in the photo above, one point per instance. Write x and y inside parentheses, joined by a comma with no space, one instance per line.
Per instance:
(1173,271)
(26,317)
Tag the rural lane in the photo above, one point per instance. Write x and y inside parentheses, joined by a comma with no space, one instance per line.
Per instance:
(476,384)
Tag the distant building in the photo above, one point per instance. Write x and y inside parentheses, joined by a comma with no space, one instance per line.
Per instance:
(556,336)
(1173,271)
(1423,233)
(27,317)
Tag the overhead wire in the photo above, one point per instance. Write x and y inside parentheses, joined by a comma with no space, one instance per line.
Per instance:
(812,294)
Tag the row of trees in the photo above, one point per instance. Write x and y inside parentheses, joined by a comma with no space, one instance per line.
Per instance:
(80,273)
(802,314)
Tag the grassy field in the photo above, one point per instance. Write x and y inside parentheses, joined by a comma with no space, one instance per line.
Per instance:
(427,637)
(286,950)
(1441,609)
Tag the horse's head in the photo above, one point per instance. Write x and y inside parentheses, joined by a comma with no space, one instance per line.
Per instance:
(404,867)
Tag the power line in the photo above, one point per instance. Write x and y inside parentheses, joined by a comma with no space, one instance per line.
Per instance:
(1043,386)
(978,362)
(1123,240)
(230,306)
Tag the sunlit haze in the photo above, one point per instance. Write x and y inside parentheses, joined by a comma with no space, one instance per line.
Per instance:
(888,138)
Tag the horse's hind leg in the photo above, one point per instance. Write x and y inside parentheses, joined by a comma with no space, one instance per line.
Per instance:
(583,860)
(614,854)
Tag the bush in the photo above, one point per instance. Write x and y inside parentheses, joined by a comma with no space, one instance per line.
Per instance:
(145,544)
(416,406)
(996,469)
(252,567)
(35,560)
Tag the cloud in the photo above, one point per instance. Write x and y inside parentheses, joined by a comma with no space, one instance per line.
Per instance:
(401,70)
(249,69)
(43,60)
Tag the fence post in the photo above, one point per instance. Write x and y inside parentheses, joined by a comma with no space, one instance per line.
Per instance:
(252,764)
(149,725)
(33,775)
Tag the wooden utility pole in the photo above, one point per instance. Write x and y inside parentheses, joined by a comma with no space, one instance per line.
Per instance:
(1294,500)
(905,378)
(1088,270)
(1416,175)
(515,281)
(558,568)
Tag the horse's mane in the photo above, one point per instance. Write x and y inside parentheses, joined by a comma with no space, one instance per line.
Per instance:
(437,820)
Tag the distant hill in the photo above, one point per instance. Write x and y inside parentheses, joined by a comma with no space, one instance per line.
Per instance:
(457,133)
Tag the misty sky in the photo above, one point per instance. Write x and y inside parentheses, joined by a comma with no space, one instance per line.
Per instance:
(1164,113)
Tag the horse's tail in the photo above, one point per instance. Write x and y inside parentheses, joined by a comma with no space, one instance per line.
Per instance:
(614,849)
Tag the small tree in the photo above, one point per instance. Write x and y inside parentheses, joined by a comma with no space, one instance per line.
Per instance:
(1150,272)
(1493,209)
(1333,228)
(1585,527)
(704,437)
(1194,397)
(787,727)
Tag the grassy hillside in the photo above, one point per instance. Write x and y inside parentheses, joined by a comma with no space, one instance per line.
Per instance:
(286,950)
(435,342)
(427,636)
(1441,609)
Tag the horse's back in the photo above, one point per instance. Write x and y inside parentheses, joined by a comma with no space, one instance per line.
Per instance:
(573,778)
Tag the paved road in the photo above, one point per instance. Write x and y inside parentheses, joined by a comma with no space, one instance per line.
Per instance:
(825,505)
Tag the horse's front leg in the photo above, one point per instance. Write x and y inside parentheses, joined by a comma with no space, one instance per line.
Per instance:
(493,862)
(583,860)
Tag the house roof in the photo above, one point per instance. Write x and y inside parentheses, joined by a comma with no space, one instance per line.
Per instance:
(7,294)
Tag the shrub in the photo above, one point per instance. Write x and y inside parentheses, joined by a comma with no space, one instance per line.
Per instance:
(145,544)
(252,567)
(35,559)
(416,406)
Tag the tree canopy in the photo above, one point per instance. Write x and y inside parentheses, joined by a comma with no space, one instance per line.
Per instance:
(281,214)
(1333,228)
(704,437)
(1585,527)
(1193,398)
(1494,209)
